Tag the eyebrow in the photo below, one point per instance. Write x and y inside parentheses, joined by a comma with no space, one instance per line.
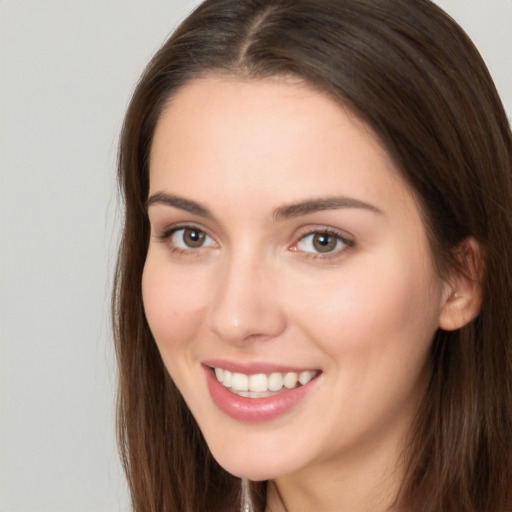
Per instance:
(281,213)
(315,205)
(178,202)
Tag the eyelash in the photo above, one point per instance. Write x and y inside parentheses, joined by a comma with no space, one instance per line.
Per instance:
(167,234)
(336,235)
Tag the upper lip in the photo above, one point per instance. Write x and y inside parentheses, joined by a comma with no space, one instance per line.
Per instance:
(253,368)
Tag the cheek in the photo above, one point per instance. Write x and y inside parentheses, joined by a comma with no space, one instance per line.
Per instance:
(368,310)
(173,304)
(375,327)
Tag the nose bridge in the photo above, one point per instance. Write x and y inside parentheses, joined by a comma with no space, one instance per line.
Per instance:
(245,307)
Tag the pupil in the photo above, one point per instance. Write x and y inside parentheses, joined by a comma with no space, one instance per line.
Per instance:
(193,237)
(324,242)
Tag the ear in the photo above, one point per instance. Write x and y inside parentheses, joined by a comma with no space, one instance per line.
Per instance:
(463,288)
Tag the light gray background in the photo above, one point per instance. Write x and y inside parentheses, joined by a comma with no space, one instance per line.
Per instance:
(67,69)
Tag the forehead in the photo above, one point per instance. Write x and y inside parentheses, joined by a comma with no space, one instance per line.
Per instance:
(227,101)
(274,137)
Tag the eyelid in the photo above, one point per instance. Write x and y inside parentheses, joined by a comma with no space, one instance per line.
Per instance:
(344,237)
(169,229)
(347,240)
(165,234)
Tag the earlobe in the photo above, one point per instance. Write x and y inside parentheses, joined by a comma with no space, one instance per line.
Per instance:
(464,289)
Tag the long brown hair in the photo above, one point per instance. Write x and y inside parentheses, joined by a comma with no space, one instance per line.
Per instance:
(409,71)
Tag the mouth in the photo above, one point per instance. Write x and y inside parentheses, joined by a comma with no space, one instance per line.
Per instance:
(262,385)
(258,392)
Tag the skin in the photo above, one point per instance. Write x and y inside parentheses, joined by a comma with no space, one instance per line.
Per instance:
(258,291)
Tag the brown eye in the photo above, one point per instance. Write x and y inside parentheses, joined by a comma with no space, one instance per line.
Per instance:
(190,238)
(193,238)
(324,242)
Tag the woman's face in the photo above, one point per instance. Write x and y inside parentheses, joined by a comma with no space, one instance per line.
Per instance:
(288,257)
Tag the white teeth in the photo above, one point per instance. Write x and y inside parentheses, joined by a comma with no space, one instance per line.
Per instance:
(227,378)
(275,381)
(258,382)
(261,383)
(290,380)
(240,382)
(305,377)
(219,373)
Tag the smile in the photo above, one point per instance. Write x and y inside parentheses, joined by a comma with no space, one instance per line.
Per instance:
(258,393)
(261,385)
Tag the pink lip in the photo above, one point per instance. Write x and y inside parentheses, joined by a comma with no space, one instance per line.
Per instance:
(252,368)
(254,410)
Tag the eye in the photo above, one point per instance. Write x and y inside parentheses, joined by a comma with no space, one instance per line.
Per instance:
(189,238)
(322,242)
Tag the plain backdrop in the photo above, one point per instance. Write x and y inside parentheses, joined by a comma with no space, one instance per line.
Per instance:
(67,70)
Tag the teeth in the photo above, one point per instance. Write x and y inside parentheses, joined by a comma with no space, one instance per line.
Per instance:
(305,377)
(258,382)
(240,382)
(261,383)
(290,380)
(227,378)
(275,382)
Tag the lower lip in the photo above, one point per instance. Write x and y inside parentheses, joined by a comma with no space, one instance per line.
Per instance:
(254,410)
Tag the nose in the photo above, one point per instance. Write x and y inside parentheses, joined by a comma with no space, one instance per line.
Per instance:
(246,307)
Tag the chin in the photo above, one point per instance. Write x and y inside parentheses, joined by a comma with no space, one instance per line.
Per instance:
(253,467)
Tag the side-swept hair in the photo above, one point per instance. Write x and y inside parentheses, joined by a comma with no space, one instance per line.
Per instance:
(412,74)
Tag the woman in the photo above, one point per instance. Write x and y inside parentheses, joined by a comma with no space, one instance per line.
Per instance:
(314,282)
